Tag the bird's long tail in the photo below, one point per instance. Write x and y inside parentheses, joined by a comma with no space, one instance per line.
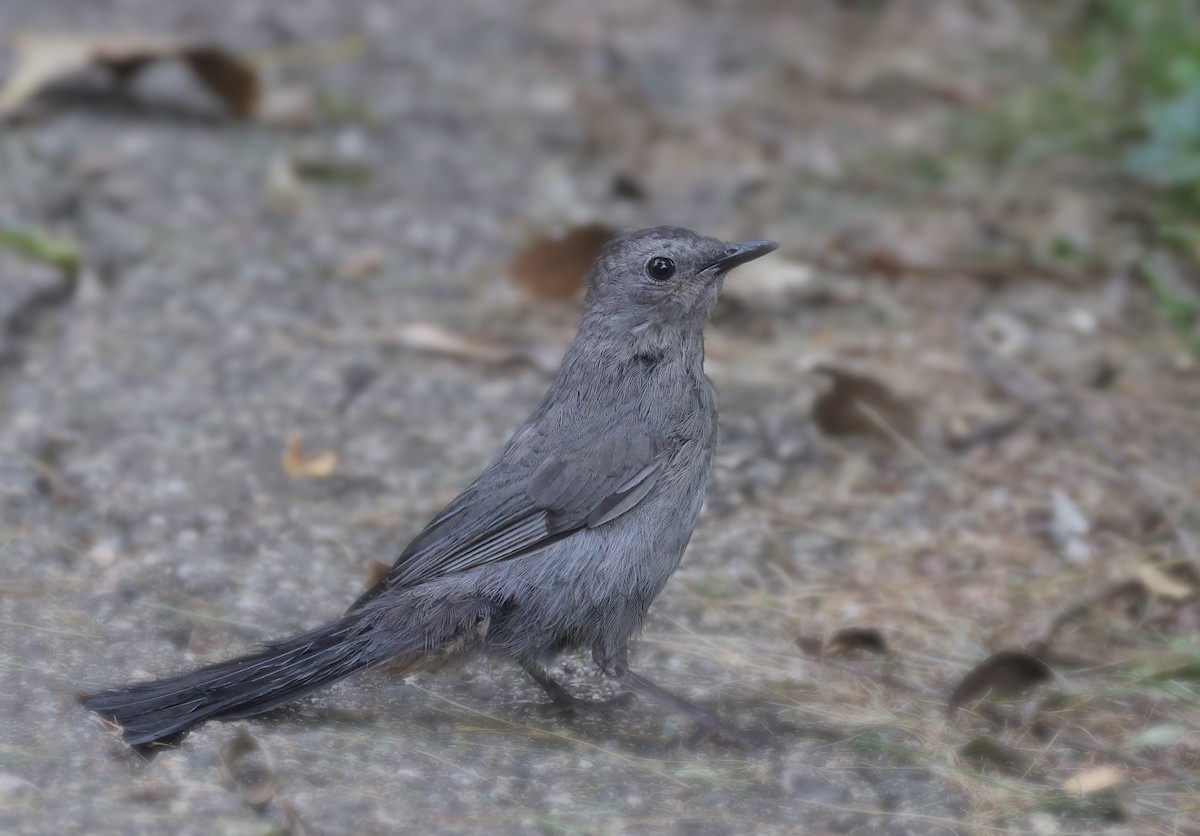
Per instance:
(163,711)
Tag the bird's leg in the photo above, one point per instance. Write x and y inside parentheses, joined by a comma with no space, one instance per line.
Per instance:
(709,724)
(563,701)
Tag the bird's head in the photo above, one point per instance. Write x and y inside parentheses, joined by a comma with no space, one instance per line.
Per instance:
(662,279)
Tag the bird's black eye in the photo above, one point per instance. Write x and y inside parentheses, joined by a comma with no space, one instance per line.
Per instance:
(660,268)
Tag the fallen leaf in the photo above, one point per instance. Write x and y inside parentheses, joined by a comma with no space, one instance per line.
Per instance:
(1094,780)
(1161,735)
(1068,519)
(39,246)
(812,644)
(286,194)
(161,794)
(233,81)
(1004,674)
(333,167)
(426,336)
(298,465)
(554,268)
(379,571)
(251,769)
(1070,527)
(287,107)
(42,59)
(1158,582)
(856,405)
(625,186)
(767,281)
(363,264)
(857,638)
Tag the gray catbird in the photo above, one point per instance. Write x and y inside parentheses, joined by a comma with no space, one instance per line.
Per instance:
(561,543)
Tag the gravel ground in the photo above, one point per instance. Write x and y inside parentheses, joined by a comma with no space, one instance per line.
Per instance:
(146,523)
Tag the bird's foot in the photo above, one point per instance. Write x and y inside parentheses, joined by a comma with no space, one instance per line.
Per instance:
(566,705)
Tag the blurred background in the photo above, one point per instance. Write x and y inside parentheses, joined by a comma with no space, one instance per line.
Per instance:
(277,279)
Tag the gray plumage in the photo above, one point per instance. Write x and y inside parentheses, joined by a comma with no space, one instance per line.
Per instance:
(564,539)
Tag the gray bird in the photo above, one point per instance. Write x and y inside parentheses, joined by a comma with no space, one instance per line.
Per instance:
(561,543)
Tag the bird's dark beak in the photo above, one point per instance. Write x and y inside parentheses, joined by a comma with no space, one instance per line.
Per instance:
(740,253)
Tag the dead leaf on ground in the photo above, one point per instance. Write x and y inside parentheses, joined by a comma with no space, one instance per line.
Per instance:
(1164,734)
(427,336)
(362,264)
(286,194)
(1004,674)
(1094,780)
(554,268)
(811,643)
(333,166)
(41,246)
(379,571)
(857,405)
(42,59)
(299,465)
(251,769)
(1158,582)
(857,638)
(1070,527)
(435,339)
(287,107)
(767,281)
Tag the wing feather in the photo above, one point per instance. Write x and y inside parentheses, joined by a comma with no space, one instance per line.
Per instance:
(520,504)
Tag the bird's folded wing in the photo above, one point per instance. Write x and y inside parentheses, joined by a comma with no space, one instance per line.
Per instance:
(515,508)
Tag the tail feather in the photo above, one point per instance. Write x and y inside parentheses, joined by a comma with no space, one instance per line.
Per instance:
(163,711)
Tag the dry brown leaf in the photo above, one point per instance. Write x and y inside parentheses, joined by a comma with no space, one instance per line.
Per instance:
(768,281)
(298,465)
(812,644)
(857,638)
(1006,673)
(554,268)
(379,571)
(1094,780)
(42,59)
(856,405)
(1158,582)
(287,107)
(426,336)
(251,769)
(363,264)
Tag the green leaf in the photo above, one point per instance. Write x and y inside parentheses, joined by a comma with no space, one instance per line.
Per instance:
(40,246)
(1170,153)
(1164,735)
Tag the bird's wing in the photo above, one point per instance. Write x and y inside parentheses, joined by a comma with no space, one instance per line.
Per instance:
(516,507)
